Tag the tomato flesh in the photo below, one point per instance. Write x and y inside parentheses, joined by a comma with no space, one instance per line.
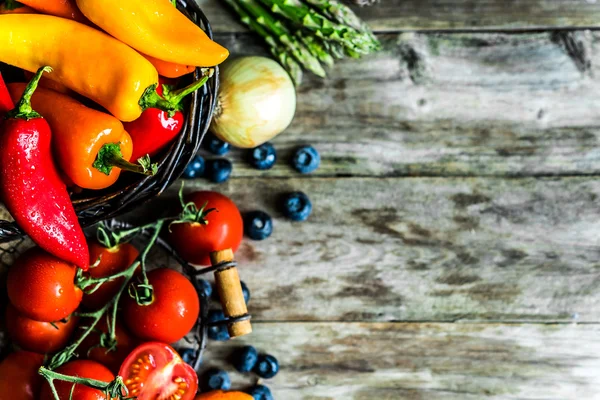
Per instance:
(154,371)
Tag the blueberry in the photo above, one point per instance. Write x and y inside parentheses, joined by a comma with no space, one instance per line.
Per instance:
(195,168)
(217,332)
(260,392)
(267,366)
(306,159)
(216,145)
(245,359)
(188,355)
(206,287)
(297,206)
(218,170)
(258,225)
(216,379)
(246,292)
(263,156)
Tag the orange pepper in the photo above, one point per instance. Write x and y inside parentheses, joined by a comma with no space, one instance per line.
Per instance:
(168,69)
(49,83)
(155,28)
(59,8)
(14,7)
(90,147)
(84,59)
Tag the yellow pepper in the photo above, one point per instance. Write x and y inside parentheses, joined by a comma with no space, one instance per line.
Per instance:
(155,28)
(84,59)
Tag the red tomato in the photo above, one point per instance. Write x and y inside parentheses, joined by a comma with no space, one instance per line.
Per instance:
(155,371)
(83,369)
(19,378)
(112,359)
(225,229)
(42,287)
(112,261)
(41,337)
(173,312)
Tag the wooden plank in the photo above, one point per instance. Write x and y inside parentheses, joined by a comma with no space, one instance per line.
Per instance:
(396,15)
(422,249)
(391,361)
(448,105)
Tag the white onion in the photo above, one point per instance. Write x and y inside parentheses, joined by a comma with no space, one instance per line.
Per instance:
(256,102)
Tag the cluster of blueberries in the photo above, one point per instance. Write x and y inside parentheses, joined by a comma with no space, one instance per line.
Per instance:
(306,159)
(246,359)
(258,225)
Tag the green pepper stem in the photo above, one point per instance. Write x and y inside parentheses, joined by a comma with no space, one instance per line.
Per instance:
(151,99)
(23,110)
(110,156)
(12,4)
(170,102)
(177,96)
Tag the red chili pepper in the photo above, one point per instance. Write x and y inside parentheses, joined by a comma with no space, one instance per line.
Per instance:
(6,103)
(31,187)
(155,128)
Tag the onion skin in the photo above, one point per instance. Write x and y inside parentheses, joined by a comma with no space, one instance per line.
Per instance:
(257,101)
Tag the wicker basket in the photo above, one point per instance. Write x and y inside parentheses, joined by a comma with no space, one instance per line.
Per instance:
(131,190)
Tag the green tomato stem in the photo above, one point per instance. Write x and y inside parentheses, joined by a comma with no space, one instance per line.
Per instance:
(68,353)
(115,388)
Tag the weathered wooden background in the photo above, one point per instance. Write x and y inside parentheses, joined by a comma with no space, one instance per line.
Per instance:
(454,250)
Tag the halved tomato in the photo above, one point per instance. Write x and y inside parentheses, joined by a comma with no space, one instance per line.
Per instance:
(155,371)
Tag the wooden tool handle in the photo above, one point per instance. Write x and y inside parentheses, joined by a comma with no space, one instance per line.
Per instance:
(231,294)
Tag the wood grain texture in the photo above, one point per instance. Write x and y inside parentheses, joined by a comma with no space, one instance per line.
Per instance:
(450,105)
(393,361)
(423,249)
(396,15)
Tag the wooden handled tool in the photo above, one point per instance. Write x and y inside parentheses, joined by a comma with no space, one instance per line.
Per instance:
(230,292)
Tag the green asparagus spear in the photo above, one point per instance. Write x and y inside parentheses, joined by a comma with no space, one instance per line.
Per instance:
(279,52)
(315,48)
(343,14)
(299,51)
(334,48)
(301,14)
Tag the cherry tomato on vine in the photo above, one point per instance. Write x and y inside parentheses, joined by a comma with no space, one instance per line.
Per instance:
(111,359)
(155,371)
(224,228)
(42,287)
(109,262)
(172,313)
(19,378)
(40,337)
(83,369)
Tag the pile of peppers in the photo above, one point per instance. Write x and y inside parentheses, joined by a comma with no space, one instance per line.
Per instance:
(54,139)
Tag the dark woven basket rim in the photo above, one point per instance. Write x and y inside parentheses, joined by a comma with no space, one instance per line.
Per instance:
(128,192)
